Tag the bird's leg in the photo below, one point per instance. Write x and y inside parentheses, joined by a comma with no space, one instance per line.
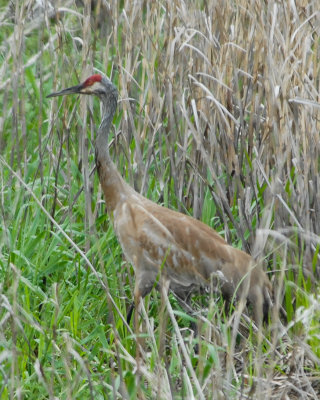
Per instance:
(137,297)
(139,292)
(129,314)
(258,309)
(163,314)
(184,302)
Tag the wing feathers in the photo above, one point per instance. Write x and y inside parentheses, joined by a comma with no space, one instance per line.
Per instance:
(190,253)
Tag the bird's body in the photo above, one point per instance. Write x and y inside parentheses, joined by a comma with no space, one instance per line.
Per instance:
(157,240)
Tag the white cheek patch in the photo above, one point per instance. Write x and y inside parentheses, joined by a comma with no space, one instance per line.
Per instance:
(95,86)
(91,88)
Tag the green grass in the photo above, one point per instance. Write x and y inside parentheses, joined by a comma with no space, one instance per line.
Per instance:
(249,170)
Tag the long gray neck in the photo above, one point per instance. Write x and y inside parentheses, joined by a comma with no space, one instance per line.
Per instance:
(109,105)
(114,187)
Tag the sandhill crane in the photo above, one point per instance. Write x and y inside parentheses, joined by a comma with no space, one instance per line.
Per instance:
(153,238)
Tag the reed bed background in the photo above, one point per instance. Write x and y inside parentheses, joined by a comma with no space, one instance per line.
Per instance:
(219,118)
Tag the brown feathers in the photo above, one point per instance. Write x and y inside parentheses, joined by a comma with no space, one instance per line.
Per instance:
(155,239)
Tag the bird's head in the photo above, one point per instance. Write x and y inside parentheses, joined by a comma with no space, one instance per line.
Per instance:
(97,84)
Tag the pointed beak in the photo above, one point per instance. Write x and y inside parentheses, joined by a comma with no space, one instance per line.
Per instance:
(70,90)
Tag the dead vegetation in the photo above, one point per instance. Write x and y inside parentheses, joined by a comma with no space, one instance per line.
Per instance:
(219,116)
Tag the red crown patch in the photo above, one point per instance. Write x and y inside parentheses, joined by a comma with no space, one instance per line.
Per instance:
(92,79)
